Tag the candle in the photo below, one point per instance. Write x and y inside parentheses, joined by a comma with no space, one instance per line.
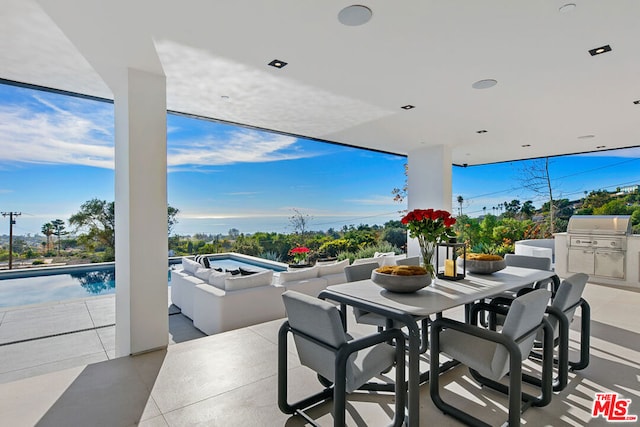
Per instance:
(449,268)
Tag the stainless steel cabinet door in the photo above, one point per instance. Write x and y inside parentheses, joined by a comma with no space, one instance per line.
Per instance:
(581,261)
(609,264)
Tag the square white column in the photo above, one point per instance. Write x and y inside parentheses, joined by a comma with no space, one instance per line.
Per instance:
(142,321)
(428,183)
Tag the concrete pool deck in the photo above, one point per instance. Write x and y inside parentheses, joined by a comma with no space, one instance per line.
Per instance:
(49,337)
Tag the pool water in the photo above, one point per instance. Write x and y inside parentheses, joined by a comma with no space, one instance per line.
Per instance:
(57,287)
(48,285)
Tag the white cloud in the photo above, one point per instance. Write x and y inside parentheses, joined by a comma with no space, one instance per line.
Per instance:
(65,130)
(375,200)
(47,133)
(241,146)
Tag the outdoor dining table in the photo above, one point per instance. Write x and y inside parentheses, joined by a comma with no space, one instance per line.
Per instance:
(441,295)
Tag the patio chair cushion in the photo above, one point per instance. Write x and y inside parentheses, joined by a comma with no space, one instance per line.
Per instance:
(569,294)
(321,320)
(299,274)
(238,282)
(335,268)
(492,359)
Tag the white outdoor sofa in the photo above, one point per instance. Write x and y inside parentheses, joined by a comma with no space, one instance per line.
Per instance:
(236,302)
(218,302)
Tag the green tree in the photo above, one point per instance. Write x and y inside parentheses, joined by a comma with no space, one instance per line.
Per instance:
(527,210)
(460,201)
(596,199)
(58,230)
(172,219)
(614,207)
(397,236)
(512,208)
(48,230)
(97,219)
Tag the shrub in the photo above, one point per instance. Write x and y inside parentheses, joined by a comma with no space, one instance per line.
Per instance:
(37,262)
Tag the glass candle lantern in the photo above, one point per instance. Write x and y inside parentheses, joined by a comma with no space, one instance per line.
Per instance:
(451,251)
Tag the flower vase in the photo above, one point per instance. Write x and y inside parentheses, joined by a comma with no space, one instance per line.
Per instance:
(427,249)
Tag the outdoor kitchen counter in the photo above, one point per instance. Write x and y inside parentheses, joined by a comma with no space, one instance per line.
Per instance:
(631,265)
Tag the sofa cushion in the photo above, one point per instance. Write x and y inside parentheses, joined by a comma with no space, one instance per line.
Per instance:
(235,283)
(335,268)
(217,278)
(299,274)
(203,273)
(190,266)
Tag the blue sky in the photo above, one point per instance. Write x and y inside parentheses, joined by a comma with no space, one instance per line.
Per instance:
(57,152)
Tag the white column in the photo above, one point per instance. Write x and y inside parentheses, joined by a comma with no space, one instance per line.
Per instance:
(142,321)
(428,183)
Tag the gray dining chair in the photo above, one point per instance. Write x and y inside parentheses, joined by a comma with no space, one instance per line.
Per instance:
(491,355)
(536,263)
(560,314)
(343,364)
(414,260)
(358,272)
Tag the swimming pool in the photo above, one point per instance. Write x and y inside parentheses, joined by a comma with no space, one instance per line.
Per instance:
(49,284)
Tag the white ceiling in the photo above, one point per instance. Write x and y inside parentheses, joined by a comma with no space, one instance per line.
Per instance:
(347,83)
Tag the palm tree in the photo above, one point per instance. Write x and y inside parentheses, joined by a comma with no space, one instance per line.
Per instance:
(48,230)
(460,201)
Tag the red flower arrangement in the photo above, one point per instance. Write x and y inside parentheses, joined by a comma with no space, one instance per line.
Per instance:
(429,226)
(299,254)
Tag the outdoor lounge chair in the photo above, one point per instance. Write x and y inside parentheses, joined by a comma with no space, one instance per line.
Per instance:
(342,364)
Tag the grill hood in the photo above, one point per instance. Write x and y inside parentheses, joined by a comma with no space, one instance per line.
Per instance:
(619,225)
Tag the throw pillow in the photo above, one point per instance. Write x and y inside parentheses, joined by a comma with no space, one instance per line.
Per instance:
(246,272)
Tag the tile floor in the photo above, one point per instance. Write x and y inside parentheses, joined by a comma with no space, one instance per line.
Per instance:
(229,379)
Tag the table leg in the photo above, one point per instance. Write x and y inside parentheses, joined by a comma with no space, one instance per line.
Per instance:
(413,400)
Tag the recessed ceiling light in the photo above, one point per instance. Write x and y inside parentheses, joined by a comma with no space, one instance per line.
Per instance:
(481,131)
(484,84)
(277,63)
(408,107)
(586,136)
(637,101)
(599,50)
(567,7)
(355,15)
(601,146)
(525,145)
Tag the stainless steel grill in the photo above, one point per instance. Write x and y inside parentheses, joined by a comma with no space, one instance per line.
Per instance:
(598,244)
